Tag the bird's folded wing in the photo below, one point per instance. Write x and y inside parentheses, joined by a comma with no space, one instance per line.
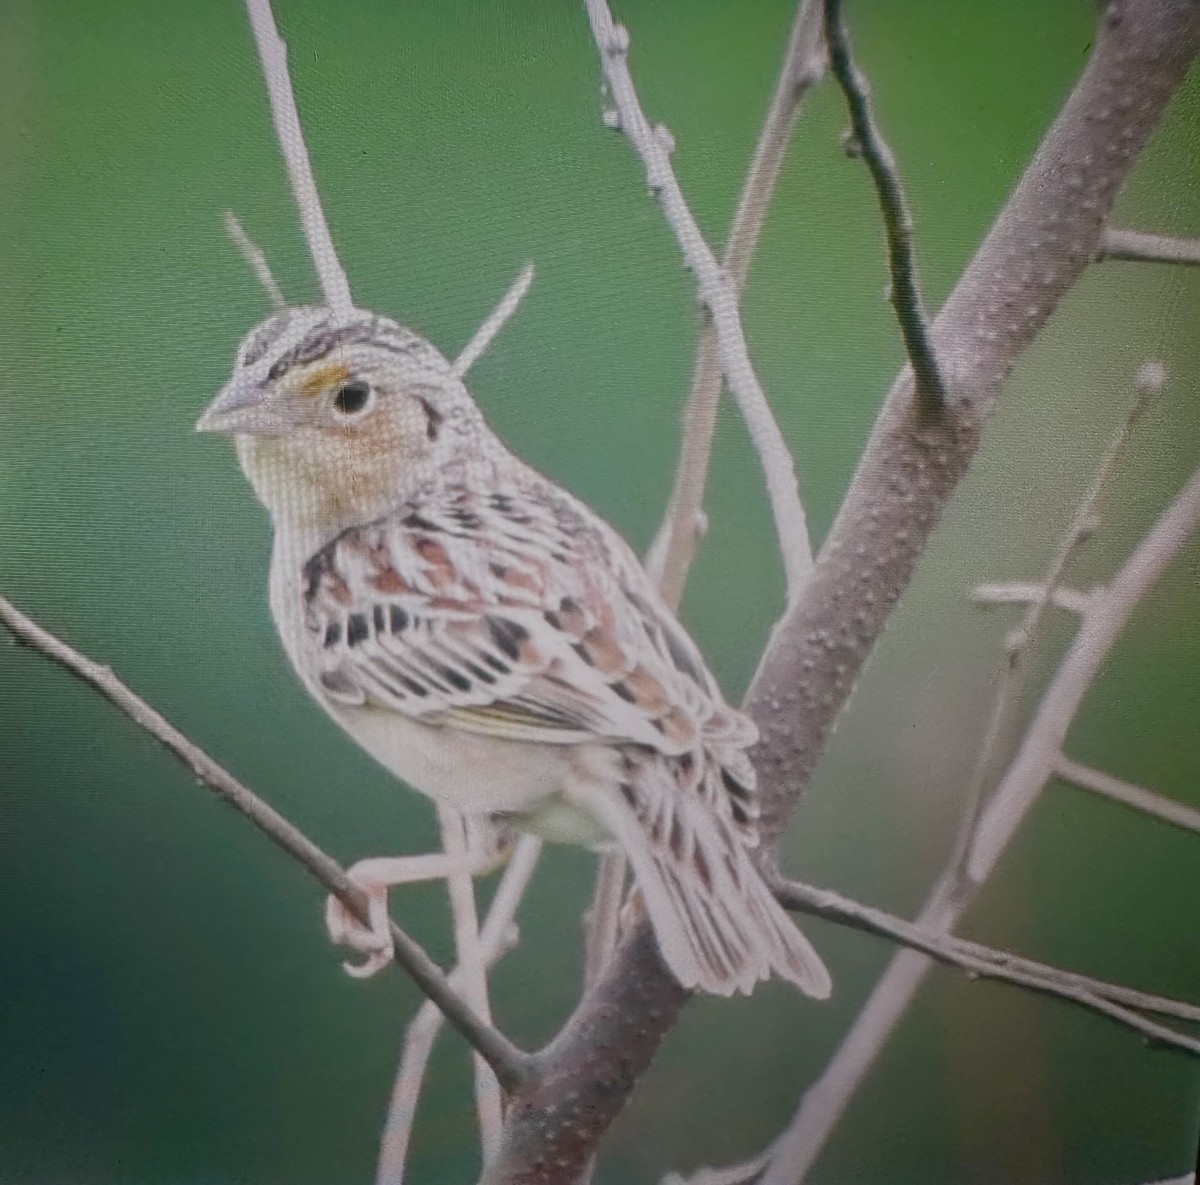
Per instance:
(508,613)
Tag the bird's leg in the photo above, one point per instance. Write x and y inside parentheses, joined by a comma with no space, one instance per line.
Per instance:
(488,847)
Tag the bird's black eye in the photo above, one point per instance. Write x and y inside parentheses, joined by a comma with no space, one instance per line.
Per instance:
(352,397)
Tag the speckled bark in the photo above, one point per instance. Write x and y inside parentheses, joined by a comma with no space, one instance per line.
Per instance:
(1044,238)
(1047,233)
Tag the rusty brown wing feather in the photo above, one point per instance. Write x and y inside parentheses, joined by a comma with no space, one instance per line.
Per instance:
(509,613)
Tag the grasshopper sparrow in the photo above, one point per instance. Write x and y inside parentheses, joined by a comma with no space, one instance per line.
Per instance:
(491,641)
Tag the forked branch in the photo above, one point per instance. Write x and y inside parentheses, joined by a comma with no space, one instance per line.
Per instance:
(1048,231)
(682,527)
(718,292)
(1034,764)
(496,938)
(1010,682)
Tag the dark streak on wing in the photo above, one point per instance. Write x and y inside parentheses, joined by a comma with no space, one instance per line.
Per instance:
(503,613)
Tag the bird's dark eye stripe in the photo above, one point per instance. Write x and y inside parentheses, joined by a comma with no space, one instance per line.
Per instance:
(433,419)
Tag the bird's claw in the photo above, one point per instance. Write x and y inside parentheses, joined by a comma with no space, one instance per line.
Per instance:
(373,940)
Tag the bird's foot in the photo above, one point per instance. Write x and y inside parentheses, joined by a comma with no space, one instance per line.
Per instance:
(374,940)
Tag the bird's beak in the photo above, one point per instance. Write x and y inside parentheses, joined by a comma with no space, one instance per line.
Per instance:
(241,409)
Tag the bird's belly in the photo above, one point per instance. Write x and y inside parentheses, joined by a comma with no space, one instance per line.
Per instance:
(477,774)
(561,820)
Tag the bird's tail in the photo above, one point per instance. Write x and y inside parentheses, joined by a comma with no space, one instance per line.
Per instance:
(719,928)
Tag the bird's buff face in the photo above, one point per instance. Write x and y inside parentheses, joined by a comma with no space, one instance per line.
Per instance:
(334,418)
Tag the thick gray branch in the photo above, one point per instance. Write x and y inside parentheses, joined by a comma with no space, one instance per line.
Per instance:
(826,1099)
(1045,236)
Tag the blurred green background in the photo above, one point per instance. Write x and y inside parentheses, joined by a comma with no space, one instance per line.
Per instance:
(169,1009)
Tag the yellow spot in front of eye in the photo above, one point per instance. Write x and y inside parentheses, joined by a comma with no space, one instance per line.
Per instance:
(323,378)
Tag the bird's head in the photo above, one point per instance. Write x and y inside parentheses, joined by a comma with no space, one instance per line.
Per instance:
(335,417)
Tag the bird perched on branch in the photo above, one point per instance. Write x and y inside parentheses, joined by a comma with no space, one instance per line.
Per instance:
(493,642)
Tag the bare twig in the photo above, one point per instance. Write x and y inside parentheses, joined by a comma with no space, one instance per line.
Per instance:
(510,1064)
(828,1097)
(905,292)
(495,939)
(1020,643)
(601,931)
(273,54)
(1101,626)
(1136,797)
(252,253)
(683,525)
(1137,246)
(717,291)
(1045,236)
(460,887)
(1115,1001)
(604,915)
(477,346)
(1018,592)
(746,1173)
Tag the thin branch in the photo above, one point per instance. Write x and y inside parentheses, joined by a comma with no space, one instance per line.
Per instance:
(602,929)
(460,888)
(477,346)
(511,1065)
(1112,1000)
(717,291)
(683,525)
(1019,592)
(272,52)
(1106,617)
(827,1098)
(1042,241)
(1040,244)
(252,253)
(604,916)
(1138,798)
(1137,246)
(1116,1001)
(905,292)
(1011,680)
(496,938)
(747,1173)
